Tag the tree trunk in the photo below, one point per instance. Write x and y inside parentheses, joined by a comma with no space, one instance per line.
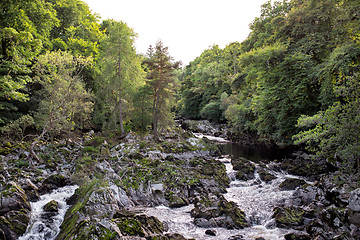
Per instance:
(121,115)
(156,110)
(120,100)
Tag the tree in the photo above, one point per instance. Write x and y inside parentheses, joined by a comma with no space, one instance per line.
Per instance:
(162,80)
(120,75)
(64,102)
(24,30)
(334,132)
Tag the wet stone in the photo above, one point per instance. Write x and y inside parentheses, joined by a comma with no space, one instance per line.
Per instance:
(210,232)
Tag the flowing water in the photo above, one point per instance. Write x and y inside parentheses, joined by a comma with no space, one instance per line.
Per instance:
(42,226)
(255,197)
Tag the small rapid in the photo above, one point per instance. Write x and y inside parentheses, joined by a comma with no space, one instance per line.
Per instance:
(255,197)
(44,225)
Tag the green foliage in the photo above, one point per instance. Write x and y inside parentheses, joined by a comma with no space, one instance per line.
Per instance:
(205,79)
(17,128)
(120,75)
(334,132)
(65,104)
(141,116)
(292,63)
(25,28)
(212,111)
(161,82)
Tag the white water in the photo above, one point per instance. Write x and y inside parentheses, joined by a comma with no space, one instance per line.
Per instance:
(211,138)
(256,198)
(40,228)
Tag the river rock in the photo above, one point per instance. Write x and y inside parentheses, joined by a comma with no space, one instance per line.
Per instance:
(174,236)
(291,184)
(210,232)
(296,166)
(265,176)
(294,236)
(176,201)
(309,194)
(32,191)
(52,206)
(216,211)
(53,182)
(245,170)
(14,211)
(289,217)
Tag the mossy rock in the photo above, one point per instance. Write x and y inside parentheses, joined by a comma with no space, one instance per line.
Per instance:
(176,201)
(245,169)
(6,148)
(294,236)
(91,229)
(291,184)
(52,206)
(14,223)
(72,223)
(151,224)
(265,176)
(130,227)
(175,236)
(288,217)
(300,167)
(54,181)
(123,213)
(230,209)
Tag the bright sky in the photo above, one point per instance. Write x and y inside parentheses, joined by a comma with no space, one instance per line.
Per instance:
(187,27)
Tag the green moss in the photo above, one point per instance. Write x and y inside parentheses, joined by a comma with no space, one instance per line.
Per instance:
(90,149)
(288,217)
(52,206)
(130,227)
(81,197)
(88,229)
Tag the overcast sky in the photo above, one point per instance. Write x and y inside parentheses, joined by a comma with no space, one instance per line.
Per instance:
(187,27)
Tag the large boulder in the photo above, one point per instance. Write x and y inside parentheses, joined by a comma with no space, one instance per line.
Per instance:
(14,211)
(245,169)
(53,182)
(216,211)
(354,207)
(291,184)
(265,176)
(289,217)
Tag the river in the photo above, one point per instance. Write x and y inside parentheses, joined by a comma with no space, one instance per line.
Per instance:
(255,197)
(42,226)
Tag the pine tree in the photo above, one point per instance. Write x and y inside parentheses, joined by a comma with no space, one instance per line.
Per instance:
(121,73)
(162,79)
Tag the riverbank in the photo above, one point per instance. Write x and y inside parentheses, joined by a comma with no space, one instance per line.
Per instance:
(119,179)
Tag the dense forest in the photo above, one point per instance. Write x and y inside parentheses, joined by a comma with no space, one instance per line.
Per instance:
(294,80)
(83,114)
(63,71)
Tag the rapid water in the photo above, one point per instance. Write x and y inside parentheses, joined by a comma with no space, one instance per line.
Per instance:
(255,197)
(43,227)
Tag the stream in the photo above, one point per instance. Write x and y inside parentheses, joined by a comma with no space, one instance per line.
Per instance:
(42,226)
(255,197)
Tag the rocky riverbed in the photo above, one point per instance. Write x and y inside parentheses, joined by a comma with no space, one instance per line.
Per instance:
(119,179)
